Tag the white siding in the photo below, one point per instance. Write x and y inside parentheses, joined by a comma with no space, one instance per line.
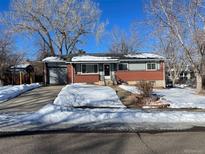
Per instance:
(137,66)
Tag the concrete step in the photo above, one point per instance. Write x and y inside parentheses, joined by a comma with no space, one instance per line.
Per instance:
(109,82)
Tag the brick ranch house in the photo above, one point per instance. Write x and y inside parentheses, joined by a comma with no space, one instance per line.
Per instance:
(106,69)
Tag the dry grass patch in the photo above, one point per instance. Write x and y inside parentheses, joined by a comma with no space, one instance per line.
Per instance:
(145,99)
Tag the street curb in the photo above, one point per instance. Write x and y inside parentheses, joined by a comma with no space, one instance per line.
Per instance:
(59,131)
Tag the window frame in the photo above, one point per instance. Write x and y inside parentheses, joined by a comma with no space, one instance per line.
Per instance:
(122,70)
(90,73)
(151,66)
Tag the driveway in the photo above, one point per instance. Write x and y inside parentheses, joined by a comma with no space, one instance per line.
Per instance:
(32,100)
(100,143)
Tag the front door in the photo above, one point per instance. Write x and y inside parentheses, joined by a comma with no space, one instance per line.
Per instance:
(107,70)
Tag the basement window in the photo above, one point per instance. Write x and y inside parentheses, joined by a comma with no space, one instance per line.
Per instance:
(89,68)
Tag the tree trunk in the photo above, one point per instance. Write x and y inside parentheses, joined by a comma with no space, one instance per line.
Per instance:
(173,81)
(52,53)
(199,82)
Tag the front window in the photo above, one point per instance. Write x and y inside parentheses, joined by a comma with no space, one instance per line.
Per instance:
(122,66)
(89,68)
(151,66)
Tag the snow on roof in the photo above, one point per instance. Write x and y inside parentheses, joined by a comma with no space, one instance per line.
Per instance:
(21,66)
(144,55)
(52,59)
(92,58)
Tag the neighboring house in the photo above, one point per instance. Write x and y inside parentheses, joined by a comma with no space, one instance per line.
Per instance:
(185,76)
(22,73)
(25,73)
(110,69)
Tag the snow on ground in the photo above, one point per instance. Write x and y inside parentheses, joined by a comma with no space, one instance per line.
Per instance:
(62,114)
(176,97)
(84,95)
(56,117)
(8,92)
(182,98)
(56,114)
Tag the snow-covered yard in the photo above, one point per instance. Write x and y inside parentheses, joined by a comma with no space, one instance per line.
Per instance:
(182,98)
(84,95)
(66,113)
(8,92)
(176,97)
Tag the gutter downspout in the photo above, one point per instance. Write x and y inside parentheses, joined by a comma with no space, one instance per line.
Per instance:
(164,77)
(72,75)
(45,73)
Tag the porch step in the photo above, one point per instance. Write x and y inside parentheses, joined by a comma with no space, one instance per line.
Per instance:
(109,83)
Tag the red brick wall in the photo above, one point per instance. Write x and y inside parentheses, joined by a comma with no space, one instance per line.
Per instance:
(140,75)
(70,72)
(78,78)
(88,78)
(120,75)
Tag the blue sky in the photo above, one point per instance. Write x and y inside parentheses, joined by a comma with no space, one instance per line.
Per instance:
(119,13)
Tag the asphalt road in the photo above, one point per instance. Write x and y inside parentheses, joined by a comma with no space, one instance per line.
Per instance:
(32,100)
(112,143)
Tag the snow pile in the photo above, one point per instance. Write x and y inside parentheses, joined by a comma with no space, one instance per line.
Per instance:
(8,92)
(53,116)
(180,85)
(132,89)
(52,59)
(144,55)
(83,95)
(92,58)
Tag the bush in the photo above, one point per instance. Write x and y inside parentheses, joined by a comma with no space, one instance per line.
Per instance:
(146,88)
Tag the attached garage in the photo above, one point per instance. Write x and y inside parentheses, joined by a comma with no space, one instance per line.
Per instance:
(55,72)
(57,75)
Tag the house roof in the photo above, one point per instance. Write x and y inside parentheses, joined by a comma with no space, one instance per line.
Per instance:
(23,67)
(144,56)
(115,57)
(53,59)
(104,58)
(20,66)
(88,58)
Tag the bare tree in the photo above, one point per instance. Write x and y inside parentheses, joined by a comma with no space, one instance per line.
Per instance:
(8,56)
(170,48)
(124,42)
(59,23)
(43,50)
(185,20)
(5,44)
